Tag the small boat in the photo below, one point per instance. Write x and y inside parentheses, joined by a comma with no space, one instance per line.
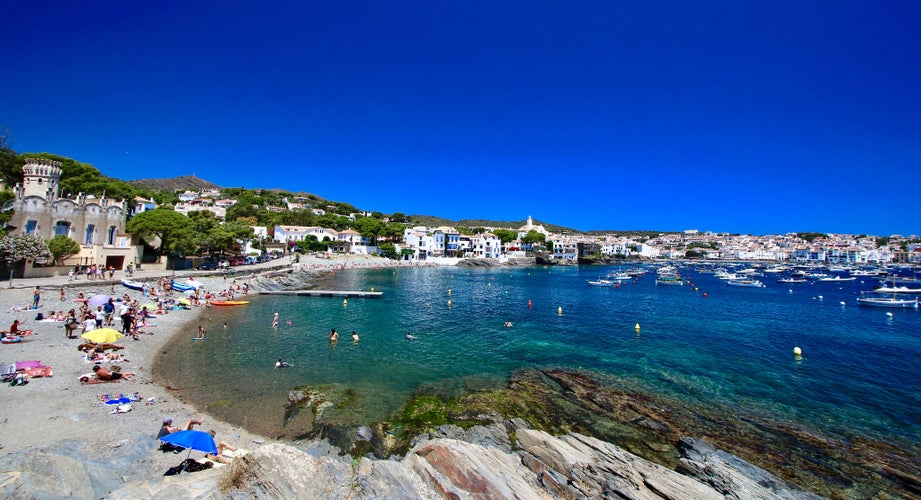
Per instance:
(887,302)
(669,280)
(599,283)
(897,289)
(184,287)
(835,279)
(230,303)
(134,285)
(792,280)
(746,283)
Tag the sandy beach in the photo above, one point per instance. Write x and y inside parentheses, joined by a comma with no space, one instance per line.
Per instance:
(51,410)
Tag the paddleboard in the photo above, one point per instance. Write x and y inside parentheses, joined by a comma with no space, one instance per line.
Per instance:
(196,338)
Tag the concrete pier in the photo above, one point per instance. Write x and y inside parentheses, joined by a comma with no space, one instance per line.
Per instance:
(325,293)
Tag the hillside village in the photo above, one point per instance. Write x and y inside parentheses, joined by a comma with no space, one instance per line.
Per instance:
(100,226)
(443,243)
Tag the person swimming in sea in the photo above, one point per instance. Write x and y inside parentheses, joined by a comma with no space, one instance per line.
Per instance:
(333,335)
(281,364)
(410,336)
(354,336)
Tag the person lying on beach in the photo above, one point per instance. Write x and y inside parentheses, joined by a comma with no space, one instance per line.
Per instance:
(167,428)
(106,374)
(221,446)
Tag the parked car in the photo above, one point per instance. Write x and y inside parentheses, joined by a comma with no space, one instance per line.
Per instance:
(236,261)
(249,260)
(207,266)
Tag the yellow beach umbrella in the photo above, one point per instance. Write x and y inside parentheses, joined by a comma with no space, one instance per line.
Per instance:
(102,335)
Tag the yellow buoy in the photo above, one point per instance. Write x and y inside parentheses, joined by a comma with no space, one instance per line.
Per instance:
(637,327)
(449,302)
(559,310)
(449,291)
(345,302)
(797,353)
(372,289)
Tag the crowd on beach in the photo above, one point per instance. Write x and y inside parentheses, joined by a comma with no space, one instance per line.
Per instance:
(81,310)
(38,415)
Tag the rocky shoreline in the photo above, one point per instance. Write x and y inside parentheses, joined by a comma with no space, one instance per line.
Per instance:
(506,460)
(549,434)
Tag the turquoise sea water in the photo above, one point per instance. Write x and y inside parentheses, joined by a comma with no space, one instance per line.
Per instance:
(860,374)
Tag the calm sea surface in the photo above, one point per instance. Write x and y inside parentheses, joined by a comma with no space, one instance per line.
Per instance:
(860,373)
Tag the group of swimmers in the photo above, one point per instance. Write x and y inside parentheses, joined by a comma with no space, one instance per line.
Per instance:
(334,336)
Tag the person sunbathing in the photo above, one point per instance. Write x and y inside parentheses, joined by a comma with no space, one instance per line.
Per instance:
(106,374)
(167,429)
(221,446)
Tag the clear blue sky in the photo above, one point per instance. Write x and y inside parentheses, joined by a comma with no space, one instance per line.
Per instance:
(751,117)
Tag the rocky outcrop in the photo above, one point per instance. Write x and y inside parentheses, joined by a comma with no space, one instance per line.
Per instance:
(538,466)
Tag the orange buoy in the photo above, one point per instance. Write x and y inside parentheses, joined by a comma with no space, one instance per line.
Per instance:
(705,295)
(529,303)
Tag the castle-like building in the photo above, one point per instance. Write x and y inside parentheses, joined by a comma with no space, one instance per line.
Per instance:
(96,224)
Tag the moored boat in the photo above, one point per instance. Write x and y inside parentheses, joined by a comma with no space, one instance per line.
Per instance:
(897,289)
(792,280)
(599,283)
(887,302)
(746,283)
(835,279)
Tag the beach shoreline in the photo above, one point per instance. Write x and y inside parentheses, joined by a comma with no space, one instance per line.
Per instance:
(49,411)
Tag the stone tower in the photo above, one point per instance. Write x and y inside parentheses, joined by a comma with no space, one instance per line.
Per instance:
(40,177)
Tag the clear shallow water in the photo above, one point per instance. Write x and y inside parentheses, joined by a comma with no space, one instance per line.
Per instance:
(859,374)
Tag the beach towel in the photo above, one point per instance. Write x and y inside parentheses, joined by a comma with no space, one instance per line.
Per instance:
(34,368)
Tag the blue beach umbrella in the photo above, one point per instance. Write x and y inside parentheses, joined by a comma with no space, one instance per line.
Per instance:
(193,440)
(118,401)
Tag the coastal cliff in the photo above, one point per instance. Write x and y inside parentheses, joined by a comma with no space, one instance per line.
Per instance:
(497,461)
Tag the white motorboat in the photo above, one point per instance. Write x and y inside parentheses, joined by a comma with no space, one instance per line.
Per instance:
(897,289)
(748,283)
(599,282)
(836,279)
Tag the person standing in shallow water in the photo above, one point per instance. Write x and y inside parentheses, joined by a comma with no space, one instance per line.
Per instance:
(275,321)
(333,335)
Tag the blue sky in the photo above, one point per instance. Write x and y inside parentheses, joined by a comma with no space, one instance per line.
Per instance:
(750,117)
